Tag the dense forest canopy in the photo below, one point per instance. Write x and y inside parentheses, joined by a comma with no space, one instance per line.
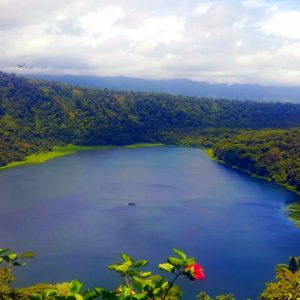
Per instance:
(274,154)
(35,115)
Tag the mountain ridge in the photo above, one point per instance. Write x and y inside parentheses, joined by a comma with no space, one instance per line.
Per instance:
(186,87)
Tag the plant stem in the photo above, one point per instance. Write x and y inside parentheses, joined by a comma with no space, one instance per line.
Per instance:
(127,282)
(170,286)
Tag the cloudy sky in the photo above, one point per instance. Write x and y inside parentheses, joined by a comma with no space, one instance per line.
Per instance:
(231,41)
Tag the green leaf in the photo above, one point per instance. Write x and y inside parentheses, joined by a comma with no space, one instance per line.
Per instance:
(6,258)
(107,295)
(13,256)
(157,292)
(3,251)
(165,285)
(138,283)
(75,286)
(89,295)
(139,297)
(17,264)
(27,254)
(125,257)
(100,291)
(180,253)
(140,263)
(149,286)
(160,283)
(125,291)
(50,293)
(112,267)
(124,267)
(190,261)
(145,274)
(166,267)
(176,262)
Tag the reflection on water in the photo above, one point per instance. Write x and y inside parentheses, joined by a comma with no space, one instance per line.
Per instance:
(293,210)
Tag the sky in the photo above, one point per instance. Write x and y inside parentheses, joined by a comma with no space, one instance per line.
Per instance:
(218,41)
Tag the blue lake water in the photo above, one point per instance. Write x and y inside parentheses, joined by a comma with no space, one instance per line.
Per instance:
(72,211)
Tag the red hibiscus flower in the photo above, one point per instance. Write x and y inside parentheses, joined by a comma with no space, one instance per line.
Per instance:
(194,272)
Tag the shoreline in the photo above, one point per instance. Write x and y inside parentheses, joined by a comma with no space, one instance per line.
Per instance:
(292,209)
(59,151)
(209,153)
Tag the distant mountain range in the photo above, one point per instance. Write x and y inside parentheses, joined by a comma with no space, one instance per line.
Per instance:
(183,87)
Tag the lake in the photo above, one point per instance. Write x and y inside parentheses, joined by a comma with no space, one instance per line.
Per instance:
(73,212)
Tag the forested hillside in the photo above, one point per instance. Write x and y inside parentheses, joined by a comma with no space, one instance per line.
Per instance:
(274,154)
(34,115)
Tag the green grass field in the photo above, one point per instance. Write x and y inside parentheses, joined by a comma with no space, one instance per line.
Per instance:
(58,151)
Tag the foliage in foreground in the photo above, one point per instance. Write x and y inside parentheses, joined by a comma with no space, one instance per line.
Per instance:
(287,284)
(137,284)
(141,285)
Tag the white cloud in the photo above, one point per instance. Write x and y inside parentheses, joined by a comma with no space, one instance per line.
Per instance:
(163,30)
(256,3)
(240,43)
(230,41)
(283,24)
(100,23)
(202,8)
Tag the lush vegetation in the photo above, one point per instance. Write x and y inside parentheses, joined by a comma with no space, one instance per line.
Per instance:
(36,115)
(273,154)
(40,120)
(58,151)
(138,284)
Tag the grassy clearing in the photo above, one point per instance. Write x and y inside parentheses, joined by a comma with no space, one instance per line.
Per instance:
(59,151)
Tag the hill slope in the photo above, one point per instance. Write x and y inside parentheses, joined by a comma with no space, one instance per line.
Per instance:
(274,154)
(37,114)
